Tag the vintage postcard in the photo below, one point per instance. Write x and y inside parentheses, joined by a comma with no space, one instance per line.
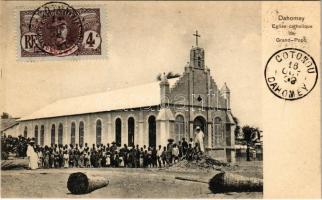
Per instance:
(160,99)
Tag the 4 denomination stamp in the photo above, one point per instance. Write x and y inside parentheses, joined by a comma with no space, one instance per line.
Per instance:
(291,74)
(58,29)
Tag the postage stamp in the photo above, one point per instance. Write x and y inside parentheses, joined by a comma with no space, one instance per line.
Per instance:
(291,74)
(58,29)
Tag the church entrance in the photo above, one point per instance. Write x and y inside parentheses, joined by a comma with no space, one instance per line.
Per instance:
(201,122)
(131,128)
(152,132)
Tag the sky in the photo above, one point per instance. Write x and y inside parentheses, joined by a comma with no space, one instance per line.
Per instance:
(143,39)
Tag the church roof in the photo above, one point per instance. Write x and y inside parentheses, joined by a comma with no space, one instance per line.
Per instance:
(7,123)
(132,97)
(230,118)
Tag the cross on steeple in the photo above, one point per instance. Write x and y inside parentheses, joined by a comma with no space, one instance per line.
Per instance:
(196,34)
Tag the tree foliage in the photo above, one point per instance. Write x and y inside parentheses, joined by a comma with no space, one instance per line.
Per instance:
(250,136)
(237,129)
(169,75)
(5,115)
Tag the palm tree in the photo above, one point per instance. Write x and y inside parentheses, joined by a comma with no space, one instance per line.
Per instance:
(169,75)
(250,137)
(237,129)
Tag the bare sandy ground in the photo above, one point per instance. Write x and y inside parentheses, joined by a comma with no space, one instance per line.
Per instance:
(124,183)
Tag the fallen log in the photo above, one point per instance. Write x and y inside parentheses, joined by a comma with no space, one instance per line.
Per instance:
(14,164)
(227,182)
(190,179)
(80,183)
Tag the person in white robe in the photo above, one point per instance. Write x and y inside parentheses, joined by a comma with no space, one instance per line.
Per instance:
(32,156)
(199,136)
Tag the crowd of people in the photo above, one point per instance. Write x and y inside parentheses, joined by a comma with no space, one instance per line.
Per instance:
(14,145)
(100,155)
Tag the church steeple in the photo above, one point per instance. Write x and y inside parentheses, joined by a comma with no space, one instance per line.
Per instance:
(164,90)
(197,35)
(226,94)
(197,55)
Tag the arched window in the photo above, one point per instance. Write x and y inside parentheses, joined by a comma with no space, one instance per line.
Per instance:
(152,132)
(60,134)
(98,132)
(118,132)
(42,135)
(72,133)
(53,134)
(81,133)
(180,128)
(36,134)
(130,131)
(25,132)
(218,136)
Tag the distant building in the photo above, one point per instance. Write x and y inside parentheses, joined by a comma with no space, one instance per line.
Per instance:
(8,125)
(146,114)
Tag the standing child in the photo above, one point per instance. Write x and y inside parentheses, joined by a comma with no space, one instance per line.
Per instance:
(66,157)
(159,153)
(103,159)
(81,160)
(154,157)
(189,152)
(175,153)
(137,156)
(56,156)
(60,157)
(52,159)
(40,157)
(121,161)
(116,159)
(108,158)
(145,159)
(141,154)
(164,156)
(71,158)
(191,143)
(149,159)
(87,160)
(46,157)
(76,157)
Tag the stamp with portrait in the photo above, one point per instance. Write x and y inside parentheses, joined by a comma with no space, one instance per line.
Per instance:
(291,74)
(58,29)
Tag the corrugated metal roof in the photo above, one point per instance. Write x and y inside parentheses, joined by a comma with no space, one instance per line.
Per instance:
(7,123)
(132,97)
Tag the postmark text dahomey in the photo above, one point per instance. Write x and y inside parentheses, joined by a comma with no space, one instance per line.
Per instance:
(291,74)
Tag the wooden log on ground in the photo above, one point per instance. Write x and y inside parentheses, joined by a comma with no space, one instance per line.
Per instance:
(190,179)
(227,182)
(14,164)
(80,183)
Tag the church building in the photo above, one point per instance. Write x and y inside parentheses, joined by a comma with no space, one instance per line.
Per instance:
(147,114)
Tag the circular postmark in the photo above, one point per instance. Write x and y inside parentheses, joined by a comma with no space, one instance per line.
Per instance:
(58,28)
(291,74)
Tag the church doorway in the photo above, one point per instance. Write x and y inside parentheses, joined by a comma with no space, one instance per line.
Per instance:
(60,134)
(53,135)
(201,122)
(118,132)
(152,132)
(131,128)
